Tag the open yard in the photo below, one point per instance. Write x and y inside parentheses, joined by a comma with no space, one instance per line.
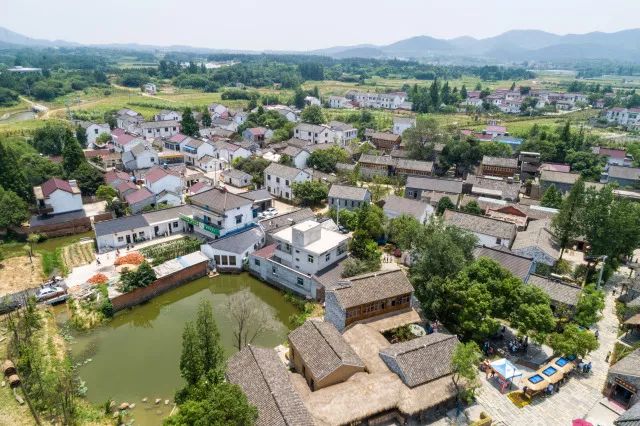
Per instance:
(18,273)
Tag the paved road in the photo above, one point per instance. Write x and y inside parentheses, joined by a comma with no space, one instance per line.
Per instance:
(578,398)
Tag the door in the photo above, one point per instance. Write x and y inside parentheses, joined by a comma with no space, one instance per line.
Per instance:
(128,239)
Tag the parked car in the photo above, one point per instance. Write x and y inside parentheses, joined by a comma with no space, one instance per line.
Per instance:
(271,212)
(49,292)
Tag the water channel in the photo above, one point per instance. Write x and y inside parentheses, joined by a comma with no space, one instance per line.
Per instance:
(136,355)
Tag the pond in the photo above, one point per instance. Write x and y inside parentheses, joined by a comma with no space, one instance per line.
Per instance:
(136,355)
(17,116)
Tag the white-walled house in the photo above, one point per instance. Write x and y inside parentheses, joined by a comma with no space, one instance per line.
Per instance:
(230,252)
(168,115)
(279,179)
(394,100)
(217,213)
(348,197)
(342,133)
(160,129)
(298,155)
(140,156)
(160,179)
(400,124)
(123,141)
(490,232)
(312,100)
(93,130)
(314,133)
(227,152)
(194,149)
(299,252)
(339,102)
(57,196)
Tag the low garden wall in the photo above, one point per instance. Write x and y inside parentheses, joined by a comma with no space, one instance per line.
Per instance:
(159,286)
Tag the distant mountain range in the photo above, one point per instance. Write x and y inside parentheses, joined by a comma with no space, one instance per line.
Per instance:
(516,45)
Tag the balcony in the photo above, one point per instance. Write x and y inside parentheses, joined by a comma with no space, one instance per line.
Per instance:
(199,223)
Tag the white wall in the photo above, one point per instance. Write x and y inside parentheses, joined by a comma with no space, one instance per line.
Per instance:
(63,201)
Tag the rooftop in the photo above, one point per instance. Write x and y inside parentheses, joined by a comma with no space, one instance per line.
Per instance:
(285,220)
(240,242)
(519,266)
(621,172)
(558,291)
(280,170)
(138,195)
(219,200)
(322,348)
(348,192)
(435,184)
(367,288)
(55,184)
(499,162)
(480,224)
(400,205)
(327,241)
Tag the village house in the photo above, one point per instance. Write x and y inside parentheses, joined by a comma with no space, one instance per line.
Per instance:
(538,243)
(168,115)
(367,297)
(623,384)
(564,296)
(198,187)
(400,124)
(110,159)
(194,149)
(277,223)
(520,266)
(57,196)
(116,177)
(257,134)
(431,189)
(320,354)
(237,178)
(314,133)
(140,156)
(509,213)
(407,167)
(217,213)
(490,232)
(267,383)
(150,88)
(298,156)
(284,111)
(218,110)
(125,187)
(129,120)
(348,197)
(139,199)
(299,252)
(339,102)
(174,142)
(93,130)
(623,176)
(312,100)
(159,129)
(260,198)
(229,253)
(498,166)
(627,117)
(385,141)
(561,180)
(492,187)
(614,156)
(225,124)
(395,100)
(227,152)
(123,141)
(395,206)
(342,133)
(372,165)
(279,179)
(160,179)
(208,163)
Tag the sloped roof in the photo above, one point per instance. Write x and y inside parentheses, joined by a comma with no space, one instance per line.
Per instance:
(240,242)
(423,359)
(257,195)
(157,173)
(628,366)
(421,166)
(400,205)
(322,348)
(280,170)
(558,291)
(537,235)
(435,184)
(480,224)
(367,288)
(219,200)
(125,223)
(54,184)
(138,195)
(499,161)
(348,192)
(266,382)
(631,417)
(621,172)
(277,223)
(519,266)
(377,159)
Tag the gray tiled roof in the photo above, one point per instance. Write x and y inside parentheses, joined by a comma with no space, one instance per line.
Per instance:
(348,192)
(480,224)
(499,161)
(282,221)
(369,288)
(509,191)
(620,172)
(291,151)
(631,417)
(558,291)
(257,195)
(421,360)
(400,205)
(417,165)
(435,184)
(219,201)
(240,242)
(377,159)
(121,224)
(519,266)
(282,171)
(628,366)
(237,174)
(552,176)
(267,384)
(322,348)
(538,235)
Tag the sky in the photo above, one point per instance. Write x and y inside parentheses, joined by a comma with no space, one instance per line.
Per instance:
(301,24)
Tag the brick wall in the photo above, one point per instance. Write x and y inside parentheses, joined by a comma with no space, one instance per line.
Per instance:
(71,227)
(159,286)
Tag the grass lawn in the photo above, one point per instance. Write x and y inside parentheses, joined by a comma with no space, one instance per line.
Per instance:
(11,413)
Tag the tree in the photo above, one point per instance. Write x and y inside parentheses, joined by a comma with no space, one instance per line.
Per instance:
(106,193)
(81,135)
(463,92)
(188,125)
(589,306)
(377,189)
(213,366)
(221,405)
(51,139)
(567,224)
(403,231)
(250,317)
(444,203)
(103,138)
(551,198)
(141,277)
(312,114)
(88,178)
(472,207)
(365,249)
(72,157)
(298,98)
(441,251)
(310,192)
(464,369)
(573,341)
(421,138)
(588,164)
(191,362)
(286,160)
(13,210)
(325,160)
(206,117)
(533,317)
(32,240)
(371,219)
(254,166)
(13,178)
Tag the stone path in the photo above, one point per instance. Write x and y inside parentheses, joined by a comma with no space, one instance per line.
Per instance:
(578,398)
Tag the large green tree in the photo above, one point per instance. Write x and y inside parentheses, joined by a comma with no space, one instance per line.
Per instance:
(310,192)
(590,305)
(188,125)
(312,114)
(420,139)
(325,160)
(403,231)
(72,157)
(88,177)
(567,224)
(464,368)
(551,198)
(13,210)
(51,138)
(573,341)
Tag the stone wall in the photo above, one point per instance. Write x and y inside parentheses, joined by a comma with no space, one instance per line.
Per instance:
(159,286)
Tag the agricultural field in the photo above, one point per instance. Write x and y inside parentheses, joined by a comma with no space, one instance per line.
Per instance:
(162,252)
(78,254)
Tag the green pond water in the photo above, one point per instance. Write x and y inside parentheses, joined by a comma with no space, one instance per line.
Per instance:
(136,355)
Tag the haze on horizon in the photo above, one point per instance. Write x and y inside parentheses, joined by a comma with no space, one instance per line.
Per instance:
(293,25)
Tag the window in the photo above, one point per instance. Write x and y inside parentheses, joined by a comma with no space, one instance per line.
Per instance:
(175,224)
(216,259)
(274,271)
(498,240)
(286,182)
(238,219)
(300,281)
(286,195)
(309,258)
(327,257)
(268,177)
(219,223)
(120,239)
(225,260)
(256,262)
(277,180)
(141,234)
(232,260)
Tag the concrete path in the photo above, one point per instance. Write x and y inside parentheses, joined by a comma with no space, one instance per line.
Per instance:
(578,398)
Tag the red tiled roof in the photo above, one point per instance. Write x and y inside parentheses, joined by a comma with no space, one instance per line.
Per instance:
(501,129)
(137,196)
(564,168)
(158,173)
(54,184)
(178,137)
(111,176)
(612,152)
(266,252)
(257,131)
(122,137)
(197,187)
(126,185)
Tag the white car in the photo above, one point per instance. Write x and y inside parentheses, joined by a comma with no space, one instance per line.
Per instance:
(271,212)
(49,292)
